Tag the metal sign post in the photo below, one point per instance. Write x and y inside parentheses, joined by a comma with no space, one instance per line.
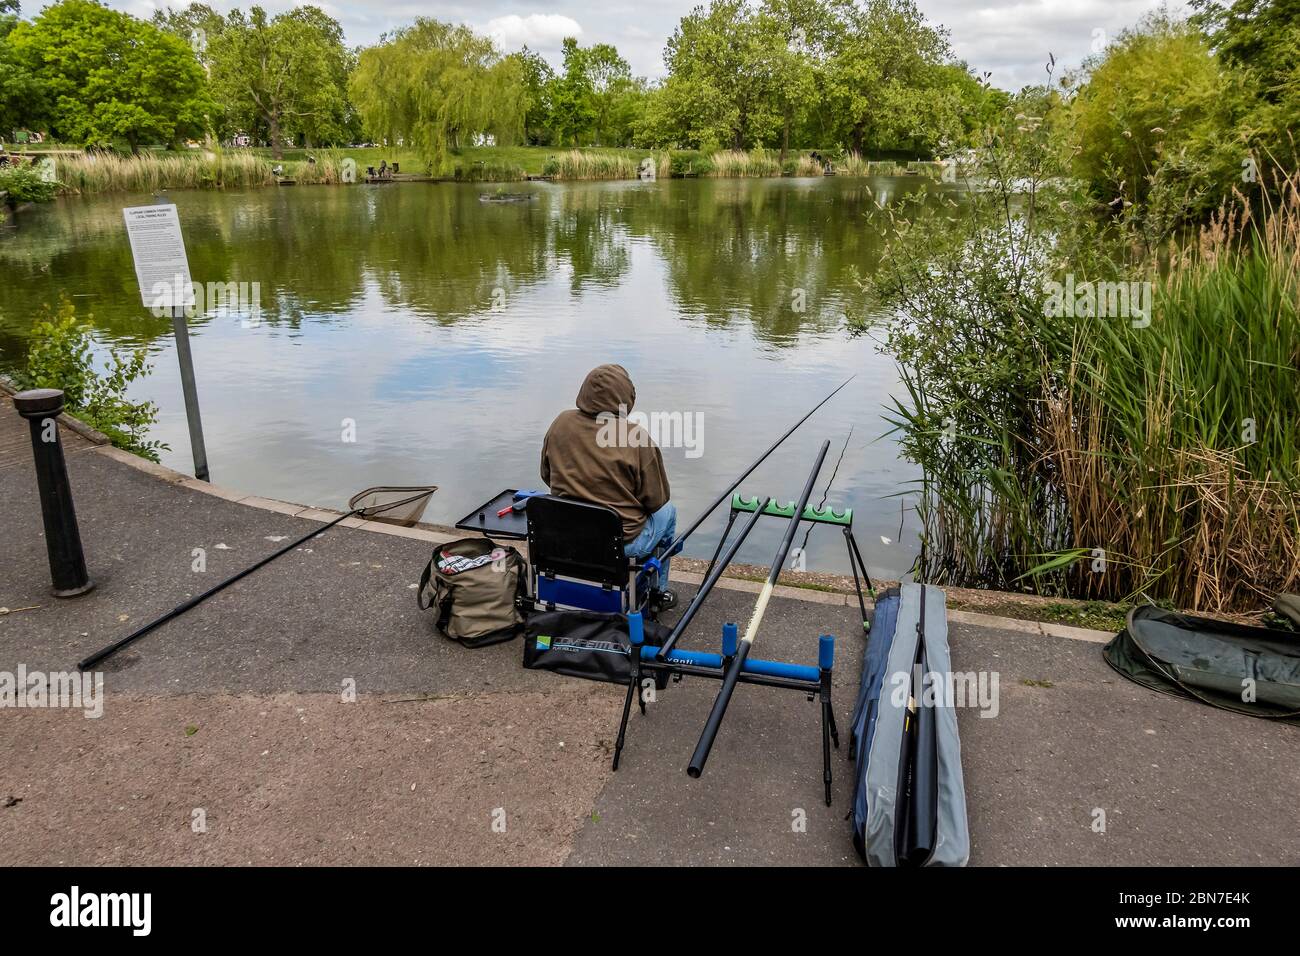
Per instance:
(191,391)
(163,271)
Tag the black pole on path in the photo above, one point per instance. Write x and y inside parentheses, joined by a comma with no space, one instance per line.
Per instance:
(178,610)
(696,766)
(41,407)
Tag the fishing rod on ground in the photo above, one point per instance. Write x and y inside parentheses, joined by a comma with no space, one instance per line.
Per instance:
(737,663)
(676,546)
(719,566)
(918,791)
(370,503)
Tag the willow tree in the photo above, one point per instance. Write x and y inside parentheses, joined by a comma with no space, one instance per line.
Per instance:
(435,86)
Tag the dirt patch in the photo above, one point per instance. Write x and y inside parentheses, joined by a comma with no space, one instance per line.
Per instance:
(293,779)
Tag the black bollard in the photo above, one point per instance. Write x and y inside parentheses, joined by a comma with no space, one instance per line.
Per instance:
(41,407)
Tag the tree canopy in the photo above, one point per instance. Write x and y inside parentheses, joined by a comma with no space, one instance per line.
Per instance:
(106,76)
(286,74)
(435,86)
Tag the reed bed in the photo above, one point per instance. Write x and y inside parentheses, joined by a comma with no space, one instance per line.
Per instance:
(805,165)
(738,164)
(1176,444)
(1142,457)
(853,164)
(103,173)
(582,164)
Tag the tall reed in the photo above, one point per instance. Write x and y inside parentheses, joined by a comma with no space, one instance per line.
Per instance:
(736,163)
(99,173)
(584,164)
(1176,443)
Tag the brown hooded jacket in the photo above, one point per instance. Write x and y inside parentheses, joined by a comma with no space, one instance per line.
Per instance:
(589,454)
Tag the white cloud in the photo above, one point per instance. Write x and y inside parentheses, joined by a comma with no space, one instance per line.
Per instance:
(537,31)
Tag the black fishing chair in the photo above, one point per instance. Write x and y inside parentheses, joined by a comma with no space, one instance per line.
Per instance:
(576,551)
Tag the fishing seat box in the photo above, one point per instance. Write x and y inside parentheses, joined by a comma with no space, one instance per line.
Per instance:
(577,557)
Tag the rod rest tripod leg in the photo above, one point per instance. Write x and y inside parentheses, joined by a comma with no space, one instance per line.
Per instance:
(826,749)
(636,635)
(622,724)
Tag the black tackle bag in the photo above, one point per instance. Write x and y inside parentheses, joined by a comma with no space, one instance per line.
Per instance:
(586,644)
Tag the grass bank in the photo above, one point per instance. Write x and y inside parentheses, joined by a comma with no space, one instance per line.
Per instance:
(159,169)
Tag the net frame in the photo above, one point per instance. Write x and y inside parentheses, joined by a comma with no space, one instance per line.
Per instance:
(410,499)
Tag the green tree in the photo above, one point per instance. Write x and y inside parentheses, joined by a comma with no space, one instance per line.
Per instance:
(197,24)
(108,77)
(720,80)
(573,106)
(1154,124)
(611,84)
(285,74)
(537,79)
(880,75)
(436,86)
(20,92)
(798,35)
(1262,39)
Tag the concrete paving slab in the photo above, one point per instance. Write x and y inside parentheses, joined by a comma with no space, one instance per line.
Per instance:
(1178,782)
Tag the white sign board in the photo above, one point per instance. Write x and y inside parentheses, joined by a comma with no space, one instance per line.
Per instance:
(159,252)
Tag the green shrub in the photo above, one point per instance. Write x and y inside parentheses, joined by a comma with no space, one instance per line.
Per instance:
(60,357)
(24,184)
(490,173)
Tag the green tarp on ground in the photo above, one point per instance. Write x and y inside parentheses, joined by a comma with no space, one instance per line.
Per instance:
(1249,670)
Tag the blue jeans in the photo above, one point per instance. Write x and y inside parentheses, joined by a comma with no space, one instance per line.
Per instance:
(660,528)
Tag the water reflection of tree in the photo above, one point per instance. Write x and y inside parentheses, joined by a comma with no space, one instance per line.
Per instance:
(734,250)
(760,250)
(591,235)
(445,256)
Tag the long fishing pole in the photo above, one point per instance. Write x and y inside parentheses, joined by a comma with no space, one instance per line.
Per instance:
(696,766)
(721,565)
(180,609)
(676,546)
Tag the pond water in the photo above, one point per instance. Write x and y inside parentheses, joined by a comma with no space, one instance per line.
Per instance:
(451,331)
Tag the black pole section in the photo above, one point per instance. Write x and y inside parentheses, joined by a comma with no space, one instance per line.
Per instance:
(41,408)
(696,766)
(684,621)
(193,602)
(677,545)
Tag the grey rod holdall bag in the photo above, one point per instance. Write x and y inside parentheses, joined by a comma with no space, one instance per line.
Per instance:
(477,589)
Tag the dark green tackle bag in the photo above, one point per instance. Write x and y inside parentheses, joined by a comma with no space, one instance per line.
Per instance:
(477,589)
(1249,670)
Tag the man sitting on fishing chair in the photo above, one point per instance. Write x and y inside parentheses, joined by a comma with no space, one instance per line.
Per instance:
(589,454)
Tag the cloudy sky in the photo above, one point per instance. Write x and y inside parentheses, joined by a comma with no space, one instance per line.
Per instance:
(1009,38)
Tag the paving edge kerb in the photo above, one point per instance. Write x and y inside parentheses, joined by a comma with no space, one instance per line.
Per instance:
(426,533)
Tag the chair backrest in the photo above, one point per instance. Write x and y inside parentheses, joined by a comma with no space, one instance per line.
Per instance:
(578,539)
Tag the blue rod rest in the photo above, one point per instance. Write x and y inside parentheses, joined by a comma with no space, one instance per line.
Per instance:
(826,652)
(636,628)
(729,635)
(675,656)
(752,666)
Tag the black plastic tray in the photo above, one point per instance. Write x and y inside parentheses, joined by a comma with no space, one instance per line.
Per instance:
(484,520)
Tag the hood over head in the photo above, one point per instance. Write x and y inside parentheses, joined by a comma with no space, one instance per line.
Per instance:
(605,388)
